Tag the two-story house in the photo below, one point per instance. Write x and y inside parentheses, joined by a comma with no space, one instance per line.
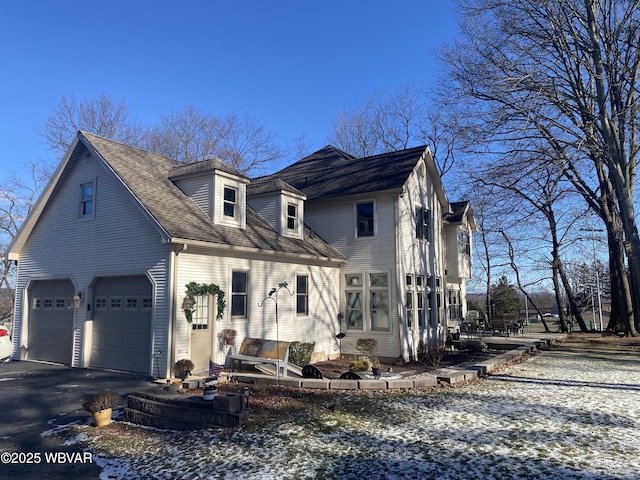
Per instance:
(363,245)
(388,215)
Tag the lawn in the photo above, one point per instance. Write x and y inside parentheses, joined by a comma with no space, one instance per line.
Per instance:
(566,413)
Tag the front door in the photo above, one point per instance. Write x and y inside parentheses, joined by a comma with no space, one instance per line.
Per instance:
(203,333)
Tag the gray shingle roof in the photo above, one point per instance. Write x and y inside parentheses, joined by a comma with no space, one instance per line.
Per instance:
(265,185)
(330,172)
(208,165)
(147,176)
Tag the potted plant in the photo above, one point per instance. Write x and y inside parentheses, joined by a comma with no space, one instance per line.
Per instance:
(229,335)
(182,368)
(100,406)
(368,347)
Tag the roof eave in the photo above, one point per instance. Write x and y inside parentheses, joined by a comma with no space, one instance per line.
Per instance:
(241,249)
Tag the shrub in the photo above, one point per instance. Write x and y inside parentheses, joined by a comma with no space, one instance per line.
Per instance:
(430,353)
(182,368)
(101,401)
(368,347)
(300,353)
(361,364)
(473,345)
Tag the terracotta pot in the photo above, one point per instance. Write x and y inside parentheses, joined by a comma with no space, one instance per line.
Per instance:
(102,418)
(229,341)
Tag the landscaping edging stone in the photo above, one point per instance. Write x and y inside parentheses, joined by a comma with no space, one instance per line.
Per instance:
(513,348)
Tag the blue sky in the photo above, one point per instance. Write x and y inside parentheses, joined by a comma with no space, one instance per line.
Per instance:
(292,64)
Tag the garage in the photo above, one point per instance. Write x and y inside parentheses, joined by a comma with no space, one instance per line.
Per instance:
(50,336)
(122,323)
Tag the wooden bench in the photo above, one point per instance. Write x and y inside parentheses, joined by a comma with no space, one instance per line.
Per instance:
(260,350)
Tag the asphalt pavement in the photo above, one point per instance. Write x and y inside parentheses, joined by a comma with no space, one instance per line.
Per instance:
(36,397)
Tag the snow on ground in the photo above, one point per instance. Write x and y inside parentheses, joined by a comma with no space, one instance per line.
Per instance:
(555,416)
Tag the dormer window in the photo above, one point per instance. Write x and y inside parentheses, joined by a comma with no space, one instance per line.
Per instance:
(230,202)
(292,217)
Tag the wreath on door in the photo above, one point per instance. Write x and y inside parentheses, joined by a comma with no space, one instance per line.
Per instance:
(201,289)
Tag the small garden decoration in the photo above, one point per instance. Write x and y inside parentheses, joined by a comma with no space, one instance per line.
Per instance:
(200,289)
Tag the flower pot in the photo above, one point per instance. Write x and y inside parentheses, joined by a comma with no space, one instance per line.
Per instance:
(209,393)
(229,341)
(377,371)
(102,418)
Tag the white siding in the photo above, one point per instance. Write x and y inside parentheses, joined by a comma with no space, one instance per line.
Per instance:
(337,225)
(267,207)
(119,240)
(320,326)
(200,190)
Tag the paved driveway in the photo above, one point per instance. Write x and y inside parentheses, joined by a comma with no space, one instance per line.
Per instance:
(35,397)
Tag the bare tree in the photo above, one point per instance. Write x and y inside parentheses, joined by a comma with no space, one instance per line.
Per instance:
(187,136)
(191,135)
(247,144)
(562,73)
(102,115)
(17,197)
(387,123)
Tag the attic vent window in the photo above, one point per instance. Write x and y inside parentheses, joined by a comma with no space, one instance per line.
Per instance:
(230,202)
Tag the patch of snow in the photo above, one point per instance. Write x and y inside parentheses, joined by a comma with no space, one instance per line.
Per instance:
(554,416)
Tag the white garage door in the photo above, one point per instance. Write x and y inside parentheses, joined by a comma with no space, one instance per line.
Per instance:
(50,321)
(121,333)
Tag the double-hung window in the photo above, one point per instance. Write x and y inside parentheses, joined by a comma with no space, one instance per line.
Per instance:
(463,243)
(292,217)
(87,200)
(239,294)
(422,223)
(302,294)
(230,202)
(365,219)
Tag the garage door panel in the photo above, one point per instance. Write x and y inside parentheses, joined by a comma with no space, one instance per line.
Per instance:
(122,328)
(50,323)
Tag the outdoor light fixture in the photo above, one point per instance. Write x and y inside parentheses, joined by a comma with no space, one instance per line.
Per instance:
(76,300)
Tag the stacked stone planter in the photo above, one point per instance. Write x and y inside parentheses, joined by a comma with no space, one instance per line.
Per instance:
(160,409)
